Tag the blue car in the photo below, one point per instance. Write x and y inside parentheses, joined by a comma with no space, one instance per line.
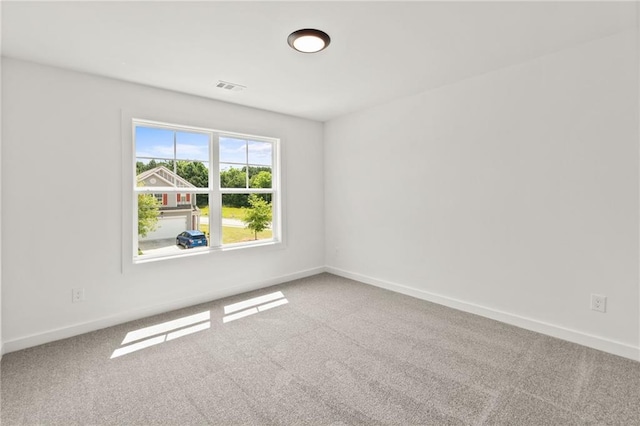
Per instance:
(190,239)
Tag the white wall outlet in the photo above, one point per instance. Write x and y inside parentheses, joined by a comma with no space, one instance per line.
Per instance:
(599,303)
(77,295)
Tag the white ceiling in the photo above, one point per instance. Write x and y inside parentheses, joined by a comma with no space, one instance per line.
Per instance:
(379,50)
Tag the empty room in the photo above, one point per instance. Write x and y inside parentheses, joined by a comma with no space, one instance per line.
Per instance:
(320,213)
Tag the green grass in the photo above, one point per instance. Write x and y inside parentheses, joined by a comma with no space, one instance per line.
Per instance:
(232,234)
(227,212)
(233,212)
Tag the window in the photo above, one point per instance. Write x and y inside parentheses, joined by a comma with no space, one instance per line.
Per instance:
(201,190)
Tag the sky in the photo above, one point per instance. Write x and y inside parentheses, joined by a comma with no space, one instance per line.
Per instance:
(158,143)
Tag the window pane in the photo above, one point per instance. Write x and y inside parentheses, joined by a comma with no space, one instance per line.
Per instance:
(192,174)
(233,150)
(175,166)
(260,177)
(192,146)
(233,176)
(154,143)
(246,218)
(260,153)
(156,163)
(163,217)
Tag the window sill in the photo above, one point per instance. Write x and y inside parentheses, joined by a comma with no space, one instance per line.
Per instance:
(229,248)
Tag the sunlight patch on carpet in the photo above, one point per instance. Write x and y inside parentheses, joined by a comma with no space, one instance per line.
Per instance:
(268,301)
(164,332)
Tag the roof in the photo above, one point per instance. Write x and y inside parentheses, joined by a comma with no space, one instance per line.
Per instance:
(167,176)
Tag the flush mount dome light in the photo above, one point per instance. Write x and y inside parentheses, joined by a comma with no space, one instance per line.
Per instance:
(308,40)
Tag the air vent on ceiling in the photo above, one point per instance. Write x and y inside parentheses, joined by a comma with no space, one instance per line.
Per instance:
(230,86)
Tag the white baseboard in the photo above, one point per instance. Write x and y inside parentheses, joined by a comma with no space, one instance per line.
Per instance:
(86,327)
(596,342)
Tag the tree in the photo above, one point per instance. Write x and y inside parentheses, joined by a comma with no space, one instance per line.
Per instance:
(194,172)
(234,178)
(197,174)
(260,180)
(141,167)
(147,214)
(258,216)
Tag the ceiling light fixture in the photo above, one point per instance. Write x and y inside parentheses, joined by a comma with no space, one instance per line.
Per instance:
(308,40)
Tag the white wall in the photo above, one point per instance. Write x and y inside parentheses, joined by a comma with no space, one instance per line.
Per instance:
(1,344)
(62,147)
(512,194)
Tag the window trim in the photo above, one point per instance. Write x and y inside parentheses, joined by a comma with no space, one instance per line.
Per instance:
(129,193)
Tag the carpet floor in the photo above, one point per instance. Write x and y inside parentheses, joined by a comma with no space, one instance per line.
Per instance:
(323,350)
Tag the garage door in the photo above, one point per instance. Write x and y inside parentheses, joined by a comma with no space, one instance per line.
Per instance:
(168,227)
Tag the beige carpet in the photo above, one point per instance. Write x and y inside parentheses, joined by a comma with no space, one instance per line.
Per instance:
(326,350)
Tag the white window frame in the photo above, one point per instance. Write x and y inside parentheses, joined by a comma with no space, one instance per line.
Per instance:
(213,190)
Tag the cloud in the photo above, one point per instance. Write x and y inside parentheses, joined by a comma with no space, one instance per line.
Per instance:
(184,152)
(231,151)
(192,152)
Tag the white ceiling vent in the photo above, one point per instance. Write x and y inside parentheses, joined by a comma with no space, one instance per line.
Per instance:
(230,86)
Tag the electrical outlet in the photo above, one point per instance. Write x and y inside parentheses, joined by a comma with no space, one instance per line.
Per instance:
(77,295)
(598,303)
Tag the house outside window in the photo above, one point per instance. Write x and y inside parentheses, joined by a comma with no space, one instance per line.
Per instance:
(220,184)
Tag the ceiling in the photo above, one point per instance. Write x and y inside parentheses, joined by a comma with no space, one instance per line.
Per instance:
(379,51)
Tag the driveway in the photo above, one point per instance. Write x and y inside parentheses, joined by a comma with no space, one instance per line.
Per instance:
(165,246)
